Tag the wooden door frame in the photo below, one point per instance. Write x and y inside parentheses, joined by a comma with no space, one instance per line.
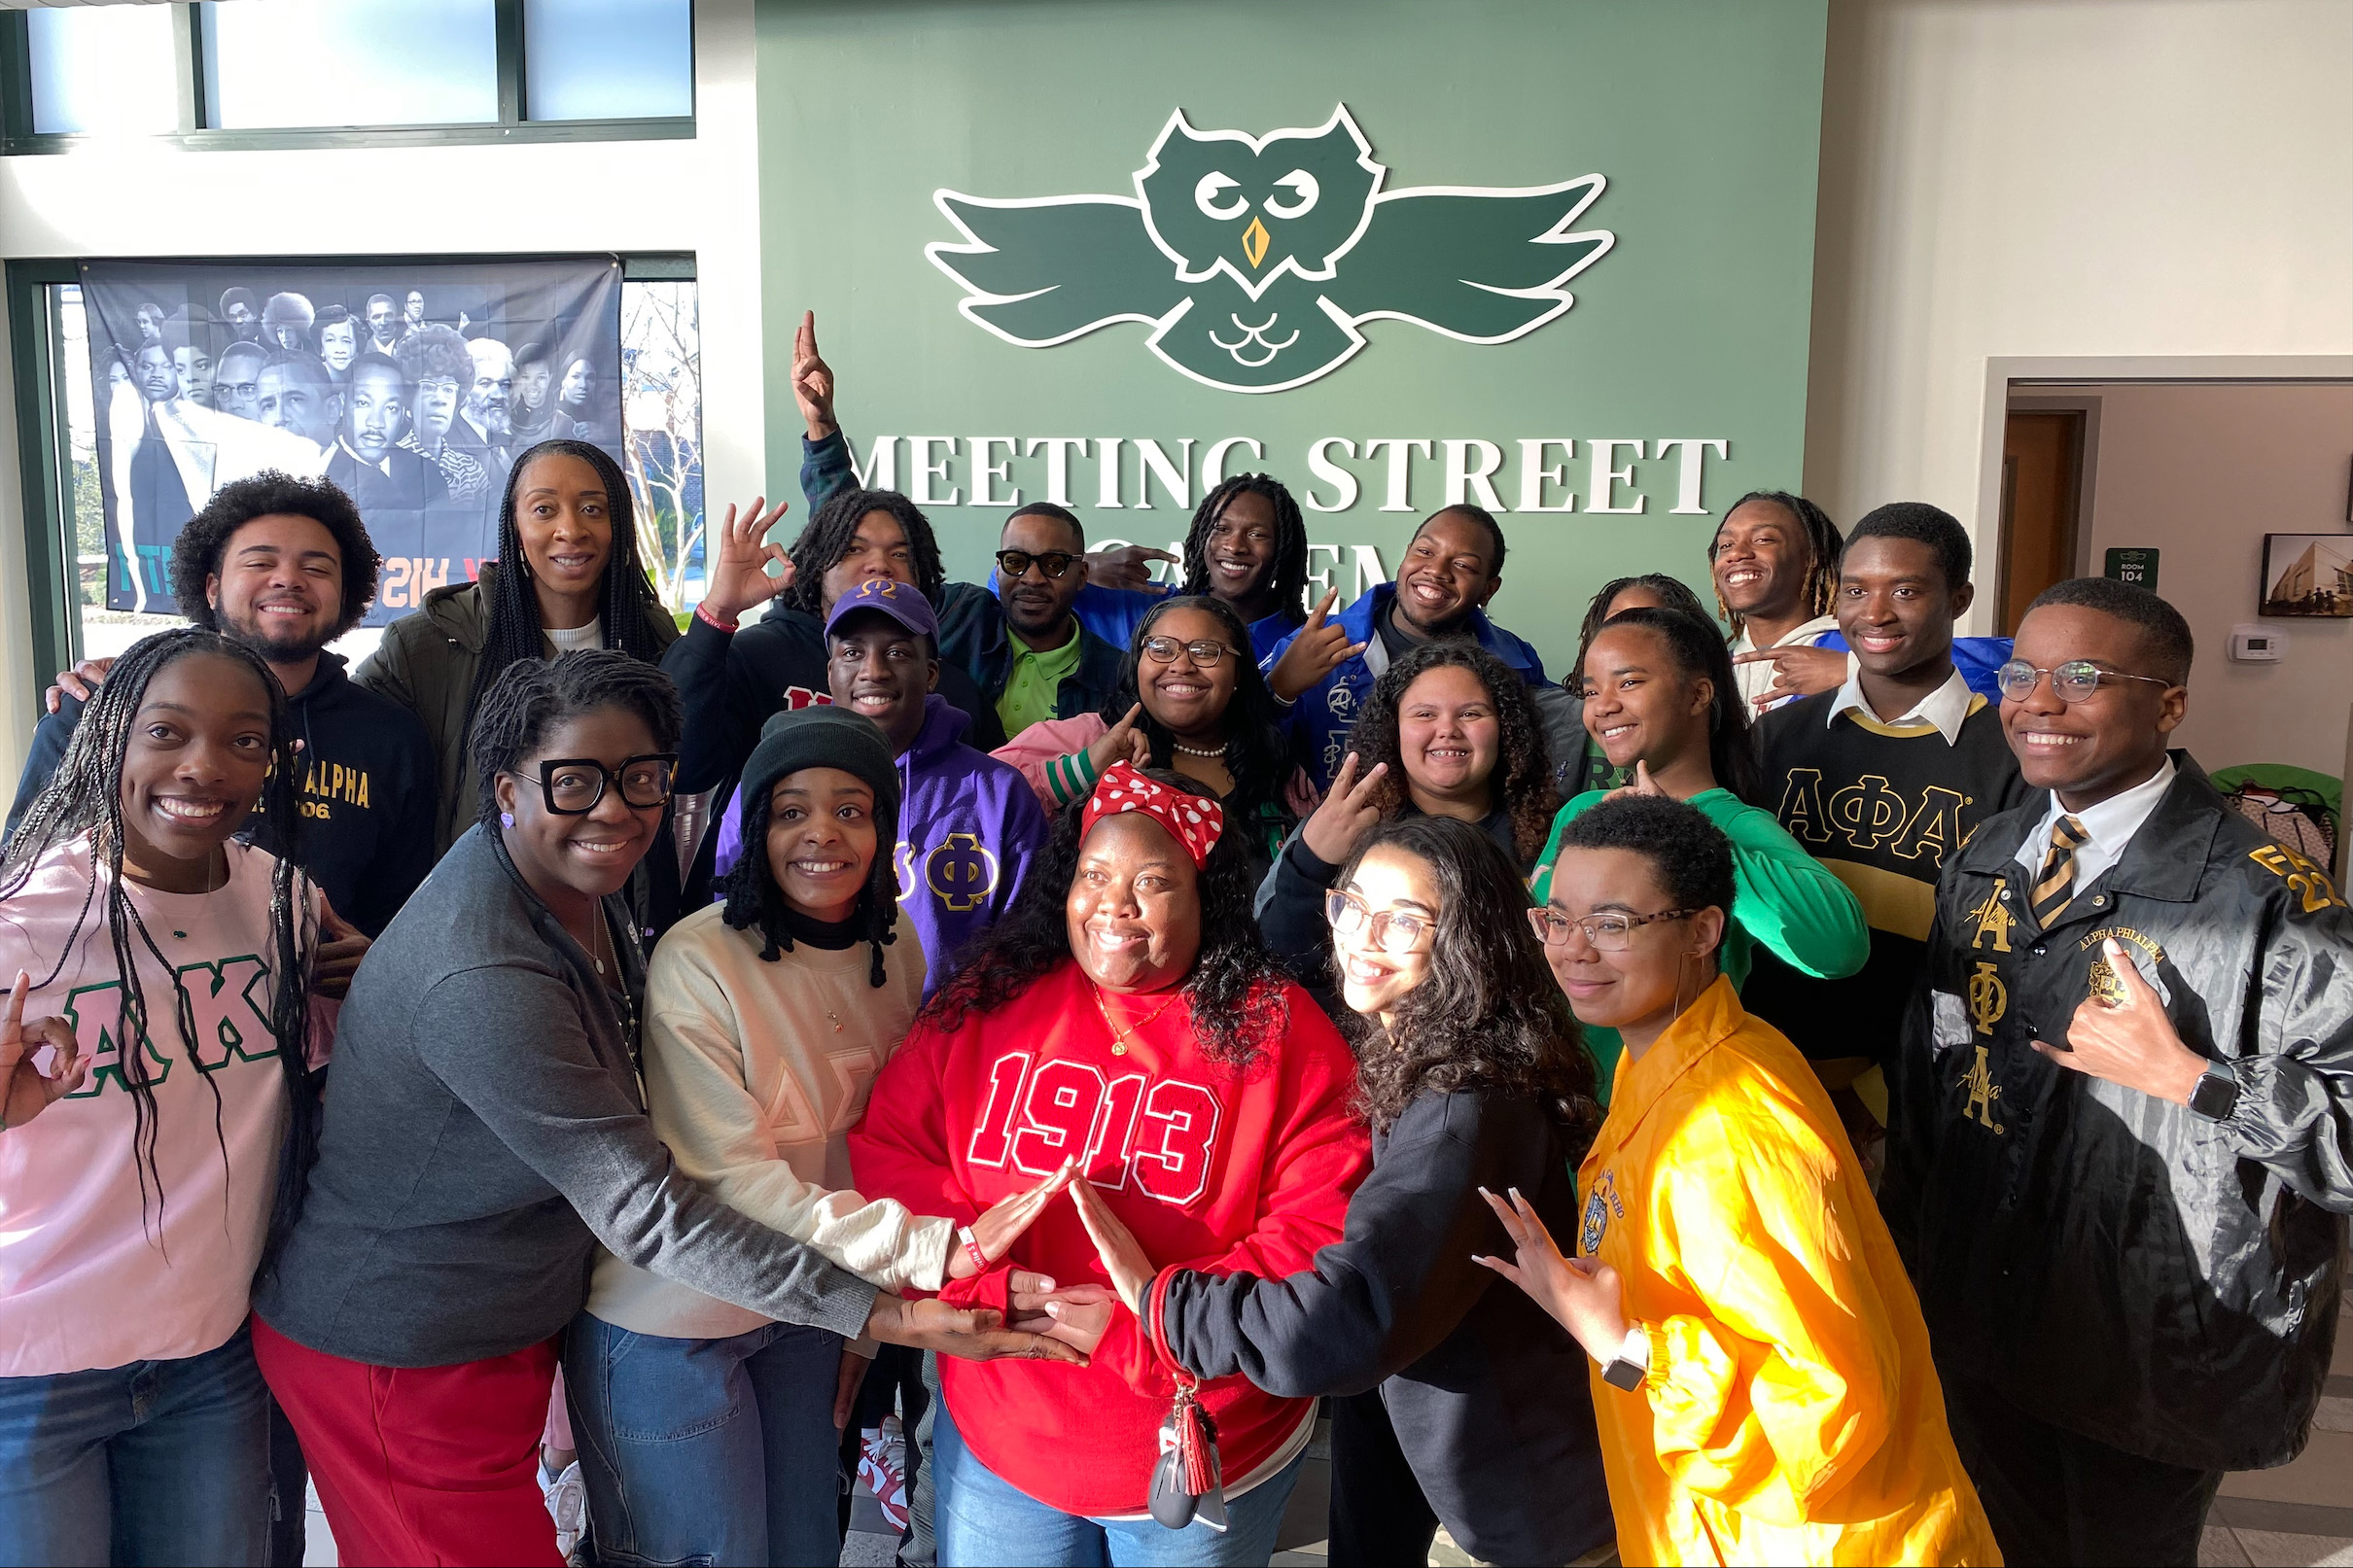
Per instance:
(2086,469)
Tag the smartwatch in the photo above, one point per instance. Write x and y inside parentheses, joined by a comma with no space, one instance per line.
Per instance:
(1631,1365)
(2216,1096)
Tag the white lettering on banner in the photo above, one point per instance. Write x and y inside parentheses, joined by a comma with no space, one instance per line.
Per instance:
(1622,473)
(1162,1135)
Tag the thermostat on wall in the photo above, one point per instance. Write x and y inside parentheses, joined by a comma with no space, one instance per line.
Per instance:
(2257,644)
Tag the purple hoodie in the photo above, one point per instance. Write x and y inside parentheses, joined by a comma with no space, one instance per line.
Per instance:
(968,827)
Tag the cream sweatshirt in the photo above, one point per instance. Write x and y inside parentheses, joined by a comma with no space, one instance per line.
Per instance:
(754,1074)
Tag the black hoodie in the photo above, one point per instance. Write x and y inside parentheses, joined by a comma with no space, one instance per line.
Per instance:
(367,798)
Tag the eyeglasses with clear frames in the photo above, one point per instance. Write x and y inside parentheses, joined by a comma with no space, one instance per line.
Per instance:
(571,787)
(1607,933)
(1391,931)
(2070,681)
(1163,651)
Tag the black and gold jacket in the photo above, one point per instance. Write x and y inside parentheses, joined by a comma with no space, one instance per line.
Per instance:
(2110,1262)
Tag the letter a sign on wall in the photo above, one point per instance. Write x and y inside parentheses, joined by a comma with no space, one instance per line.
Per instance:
(1256,258)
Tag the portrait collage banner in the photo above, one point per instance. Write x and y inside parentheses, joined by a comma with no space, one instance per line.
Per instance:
(413,386)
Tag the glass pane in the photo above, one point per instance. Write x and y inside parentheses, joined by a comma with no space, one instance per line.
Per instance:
(663,418)
(106,69)
(350,62)
(608,59)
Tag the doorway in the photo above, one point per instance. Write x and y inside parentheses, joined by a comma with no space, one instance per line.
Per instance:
(2042,460)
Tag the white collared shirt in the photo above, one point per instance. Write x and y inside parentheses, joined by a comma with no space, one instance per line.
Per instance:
(2108,827)
(1944,708)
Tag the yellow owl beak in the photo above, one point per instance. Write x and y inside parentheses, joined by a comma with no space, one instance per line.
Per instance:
(1254,241)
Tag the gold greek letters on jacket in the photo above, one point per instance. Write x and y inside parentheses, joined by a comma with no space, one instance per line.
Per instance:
(2305,880)
(1993,919)
(1872,814)
(1982,1091)
(1988,997)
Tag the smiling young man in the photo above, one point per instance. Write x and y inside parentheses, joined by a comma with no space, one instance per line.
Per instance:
(2120,1158)
(1880,779)
(284,566)
(1453,566)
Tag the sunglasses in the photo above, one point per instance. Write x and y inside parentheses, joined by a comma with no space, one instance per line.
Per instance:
(1015,563)
(2071,681)
(571,787)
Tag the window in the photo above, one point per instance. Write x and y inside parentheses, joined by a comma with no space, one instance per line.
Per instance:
(278,63)
(662,421)
(103,70)
(608,59)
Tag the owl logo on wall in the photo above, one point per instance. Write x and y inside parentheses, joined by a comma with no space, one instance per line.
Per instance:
(1255,259)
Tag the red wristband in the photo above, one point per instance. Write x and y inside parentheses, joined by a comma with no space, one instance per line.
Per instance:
(702,613)
(973,1253)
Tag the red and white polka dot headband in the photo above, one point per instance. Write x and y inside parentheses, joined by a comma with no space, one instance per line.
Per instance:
(1196,820)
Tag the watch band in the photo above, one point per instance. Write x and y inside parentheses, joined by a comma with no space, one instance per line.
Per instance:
(2216,1094)
(1628,1369)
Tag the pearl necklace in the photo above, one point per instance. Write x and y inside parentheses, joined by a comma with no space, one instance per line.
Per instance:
(1214,752)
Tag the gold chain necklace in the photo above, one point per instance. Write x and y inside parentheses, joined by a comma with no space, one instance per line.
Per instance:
(1121,1035)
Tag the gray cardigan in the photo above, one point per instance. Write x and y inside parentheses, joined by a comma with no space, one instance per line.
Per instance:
(484,1131)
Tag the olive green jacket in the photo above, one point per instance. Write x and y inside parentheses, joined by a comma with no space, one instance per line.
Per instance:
(426,663)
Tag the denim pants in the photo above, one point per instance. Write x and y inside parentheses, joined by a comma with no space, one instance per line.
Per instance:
(705,1450)
(983,1521)
(152,1462)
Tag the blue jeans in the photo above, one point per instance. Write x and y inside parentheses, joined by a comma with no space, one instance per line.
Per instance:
(984,1521)
(705,1450)
(183,1448)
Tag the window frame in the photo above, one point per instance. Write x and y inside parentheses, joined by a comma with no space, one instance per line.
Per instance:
(17,136)
(43,461)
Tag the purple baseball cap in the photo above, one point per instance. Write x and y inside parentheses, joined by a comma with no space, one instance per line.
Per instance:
(902,602)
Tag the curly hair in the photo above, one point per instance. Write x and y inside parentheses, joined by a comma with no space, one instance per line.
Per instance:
(85,798)
(756,901)
(1235,986)
(203,540)
(1690,858)
(1822,545)
(1257,744)
(627,609)
(1286,575)
(434,353)
(1526,791)
(827,539)
(1489,1013)
(1673,590)
(1698,652)
(533,697)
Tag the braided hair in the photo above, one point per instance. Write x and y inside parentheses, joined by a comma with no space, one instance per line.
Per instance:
(1673,590)
(627,609)
(827,539)
(84,799)
(754,900)
(1822,545)
(1289,569)
(534,696)
(1522,783)
(1257,745)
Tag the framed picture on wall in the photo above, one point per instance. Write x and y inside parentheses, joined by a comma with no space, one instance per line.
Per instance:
(2309,574)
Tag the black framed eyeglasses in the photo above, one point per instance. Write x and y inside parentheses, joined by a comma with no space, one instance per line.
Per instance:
(571,787)
(1163,651)
(1015,564)
(1391,931)
(1606,932)
(2070,681)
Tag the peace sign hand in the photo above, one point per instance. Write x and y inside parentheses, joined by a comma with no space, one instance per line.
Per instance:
(1347,813)
(812,381)
(1799,669)
(1320,647)
(739,574)
(1124,741)
(25,1092)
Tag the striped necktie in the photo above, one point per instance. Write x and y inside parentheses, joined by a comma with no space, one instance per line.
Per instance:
(2055,888)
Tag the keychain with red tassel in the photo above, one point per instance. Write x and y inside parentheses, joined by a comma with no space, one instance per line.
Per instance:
(1186,1480)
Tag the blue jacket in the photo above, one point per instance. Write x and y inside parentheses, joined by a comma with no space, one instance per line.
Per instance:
(968,829)
(1978,658)
(1114,614)
(1321,718)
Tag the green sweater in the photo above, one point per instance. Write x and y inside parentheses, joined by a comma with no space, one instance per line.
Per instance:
(1782,897)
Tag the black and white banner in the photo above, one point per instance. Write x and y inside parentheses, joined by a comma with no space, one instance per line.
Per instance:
(412,385)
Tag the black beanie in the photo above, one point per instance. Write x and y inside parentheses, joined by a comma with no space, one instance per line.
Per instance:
(825,738)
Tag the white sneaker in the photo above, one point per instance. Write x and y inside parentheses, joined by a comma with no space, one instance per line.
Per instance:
(882,1464)
(567,1504)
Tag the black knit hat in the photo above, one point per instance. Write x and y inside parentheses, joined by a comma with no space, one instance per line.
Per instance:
(825,738)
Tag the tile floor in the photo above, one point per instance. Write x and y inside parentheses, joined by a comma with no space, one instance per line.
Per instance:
(2297,1515)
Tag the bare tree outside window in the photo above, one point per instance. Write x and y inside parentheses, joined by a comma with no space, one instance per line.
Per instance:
(662,420)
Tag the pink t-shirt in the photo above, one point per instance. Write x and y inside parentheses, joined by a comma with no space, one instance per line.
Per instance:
(86,1280)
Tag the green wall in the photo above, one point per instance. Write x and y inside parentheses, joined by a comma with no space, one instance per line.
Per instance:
(1703,118)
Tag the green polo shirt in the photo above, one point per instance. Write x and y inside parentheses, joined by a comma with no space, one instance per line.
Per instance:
(1034,686)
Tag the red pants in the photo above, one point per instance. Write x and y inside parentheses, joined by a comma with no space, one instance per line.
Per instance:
(421,1465)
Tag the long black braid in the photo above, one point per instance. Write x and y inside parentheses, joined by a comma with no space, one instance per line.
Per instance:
(84,798)
(627,610)
(1289,569)
(1823,542)
(754,900)
(827,539)
(1257,745)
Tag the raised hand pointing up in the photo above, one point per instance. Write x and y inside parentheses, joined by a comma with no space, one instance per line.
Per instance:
(1320,647)
(812,381)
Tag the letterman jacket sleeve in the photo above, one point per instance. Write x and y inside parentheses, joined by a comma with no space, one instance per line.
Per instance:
(1790,902)
(2294,1110)
(1051,754)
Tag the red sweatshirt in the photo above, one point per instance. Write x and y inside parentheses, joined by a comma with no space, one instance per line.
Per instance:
(1213,1170)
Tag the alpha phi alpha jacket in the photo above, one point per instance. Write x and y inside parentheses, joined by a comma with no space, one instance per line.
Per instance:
(2114,1263)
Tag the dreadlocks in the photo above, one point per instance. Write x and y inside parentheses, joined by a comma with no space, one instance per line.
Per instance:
(1288,576)
(754,900)
(86,798)
(827,539)
(1822,545)
(515,633)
